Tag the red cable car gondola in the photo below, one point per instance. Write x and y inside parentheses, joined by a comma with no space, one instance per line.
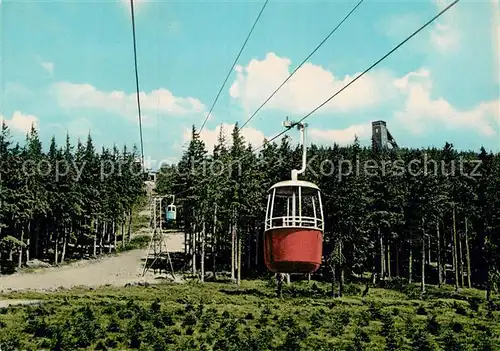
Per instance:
(293,236)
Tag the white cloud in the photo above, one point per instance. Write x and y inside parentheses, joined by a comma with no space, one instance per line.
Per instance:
(313,84)
(210,137)
(309,87)
(20,122)
(421,109)
(48,66)
(422,76)
(340,136)
(160,101)
(78,128)
(17,90)
(446,34)
(445,38)
(496,37)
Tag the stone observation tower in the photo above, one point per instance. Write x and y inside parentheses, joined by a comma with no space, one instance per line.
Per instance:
(381,136)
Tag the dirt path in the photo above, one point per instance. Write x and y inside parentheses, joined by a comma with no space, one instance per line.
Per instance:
(12,302)
(117,270)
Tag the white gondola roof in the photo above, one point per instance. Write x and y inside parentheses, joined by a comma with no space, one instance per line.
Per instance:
(294,183)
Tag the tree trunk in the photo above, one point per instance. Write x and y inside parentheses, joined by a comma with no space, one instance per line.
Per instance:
(334,278)
(422,282)
(388,246)
(410,263)
(28,242)
(56,248)
(429,250)
(249,237)
(397,260)
(104,230)
(488,283)
(186,241)
(342,263)
(372,279)
(439,264)
(95,236)
(114,234)
(279,291)
(455,258)
(467,254)
(65,244)
(28,249)
(129,235)
(203,253)
(111,233)
(20,262)
(37,239)
(382,255)
(238,233)
(444,257)
(214,243)
(461,261)
(233,225)
(341,281)
(123,231)
(257,239)
(193,248)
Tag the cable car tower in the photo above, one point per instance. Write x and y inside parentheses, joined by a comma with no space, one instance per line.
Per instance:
(157,250)
(294,225)
(381,137)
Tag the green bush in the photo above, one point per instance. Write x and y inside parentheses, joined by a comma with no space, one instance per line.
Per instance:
(422,341)
(294,338)
(433,326)
(317,318)
(364,318)
(178,316)
(459,309)
(421,311)
(375,309)
(137,242)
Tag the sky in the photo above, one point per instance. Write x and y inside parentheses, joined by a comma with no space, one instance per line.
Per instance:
(67,67)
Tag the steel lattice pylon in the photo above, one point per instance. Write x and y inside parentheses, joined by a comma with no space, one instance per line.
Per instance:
(157,246)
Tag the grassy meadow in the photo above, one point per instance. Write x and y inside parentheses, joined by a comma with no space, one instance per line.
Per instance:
(222,316)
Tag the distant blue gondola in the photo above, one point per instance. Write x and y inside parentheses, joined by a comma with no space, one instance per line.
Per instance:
(171,213)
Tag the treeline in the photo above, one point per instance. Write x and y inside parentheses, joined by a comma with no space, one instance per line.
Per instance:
(68,202)
(422,215)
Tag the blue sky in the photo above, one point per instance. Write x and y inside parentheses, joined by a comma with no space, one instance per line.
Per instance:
(68,66)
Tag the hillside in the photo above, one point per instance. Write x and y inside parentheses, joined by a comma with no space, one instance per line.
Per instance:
(218,316)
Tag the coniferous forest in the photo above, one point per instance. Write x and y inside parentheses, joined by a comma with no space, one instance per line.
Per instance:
(424,215)
(67,203)
(419,215)
(407,232)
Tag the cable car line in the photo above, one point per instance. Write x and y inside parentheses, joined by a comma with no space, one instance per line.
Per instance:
(343,88)
(137,82)
(234,64)
(366,70)
(304,61)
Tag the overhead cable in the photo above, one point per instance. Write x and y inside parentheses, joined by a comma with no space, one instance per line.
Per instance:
(137,82)
(303,62)
(234,64)
(345,86)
